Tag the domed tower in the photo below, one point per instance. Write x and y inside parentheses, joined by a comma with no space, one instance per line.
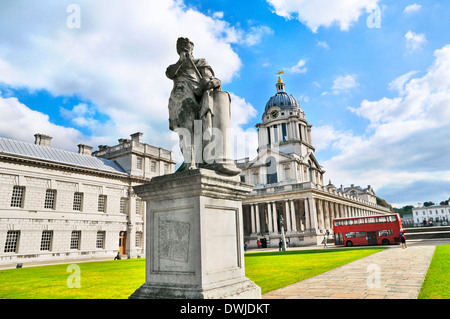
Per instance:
(284,126)
(285,151)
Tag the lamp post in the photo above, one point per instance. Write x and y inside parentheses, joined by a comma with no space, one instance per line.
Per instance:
(130,227)
(283,239)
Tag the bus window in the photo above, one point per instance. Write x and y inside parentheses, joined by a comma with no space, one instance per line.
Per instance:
(387,232)
(381,219)
(350,222)
(370,220)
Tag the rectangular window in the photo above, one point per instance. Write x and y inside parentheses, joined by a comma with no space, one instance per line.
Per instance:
(12,241)
(17,196)
(300,131)
(355,234)
(275,133)
(284,132)
(153,166)
(46,240)
(387,232)
(139,238)
(269,140)
(139,162)
(102,203)
(124,205)
(78,201)
(166,168)
(50,196)
(100,240)
(139,206)
(75,239)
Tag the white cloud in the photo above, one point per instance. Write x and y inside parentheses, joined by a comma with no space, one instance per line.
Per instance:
(344,83)
(20,122)
(407,134)
(117,59)
(255,34)
(324,13)
(299,67)
(398,84)
(323,44)
(414,40)
(412,8)
(244,141)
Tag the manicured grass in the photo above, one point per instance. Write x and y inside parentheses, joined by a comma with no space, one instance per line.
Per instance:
(437,281)
(120,278)
(274,270)
(115,279)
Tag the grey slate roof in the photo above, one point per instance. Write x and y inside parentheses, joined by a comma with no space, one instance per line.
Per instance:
(29,150)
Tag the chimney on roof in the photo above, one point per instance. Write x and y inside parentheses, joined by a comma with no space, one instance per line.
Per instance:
(137,137)
(84,149)
(43,140)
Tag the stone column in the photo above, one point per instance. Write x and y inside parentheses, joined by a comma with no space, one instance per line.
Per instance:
(269,217)
(313,215)
(288,216)
(293,216)
(252,219)
(194,235)
(274,217)
(326,205)
(258,222)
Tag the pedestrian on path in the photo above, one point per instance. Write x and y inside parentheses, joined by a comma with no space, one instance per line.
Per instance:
(324,242)
(403,238)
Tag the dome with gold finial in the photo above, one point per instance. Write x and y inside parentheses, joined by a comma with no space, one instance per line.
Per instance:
(282,100)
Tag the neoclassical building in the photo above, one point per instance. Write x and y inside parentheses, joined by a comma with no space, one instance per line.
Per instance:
(289,181)
(435,214)
(56,204)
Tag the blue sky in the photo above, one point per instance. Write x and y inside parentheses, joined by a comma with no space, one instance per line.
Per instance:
(376,88)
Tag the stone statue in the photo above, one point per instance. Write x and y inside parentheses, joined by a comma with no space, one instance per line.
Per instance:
(199,111)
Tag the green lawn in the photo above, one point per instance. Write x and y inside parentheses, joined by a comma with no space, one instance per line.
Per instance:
(115,279)
(275,270)
(437,281)
(120,278)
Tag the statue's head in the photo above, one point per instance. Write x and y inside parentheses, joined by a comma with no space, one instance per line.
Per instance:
(184,45)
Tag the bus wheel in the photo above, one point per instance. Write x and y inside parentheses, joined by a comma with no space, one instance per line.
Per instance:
(349,244)
(385,242)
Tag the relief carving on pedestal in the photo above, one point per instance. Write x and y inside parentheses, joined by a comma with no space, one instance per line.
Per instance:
(173,239)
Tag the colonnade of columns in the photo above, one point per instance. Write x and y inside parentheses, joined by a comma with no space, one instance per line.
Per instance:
(301,215)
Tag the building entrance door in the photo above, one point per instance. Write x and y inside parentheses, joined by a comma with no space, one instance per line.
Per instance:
(372,238)
(122,242)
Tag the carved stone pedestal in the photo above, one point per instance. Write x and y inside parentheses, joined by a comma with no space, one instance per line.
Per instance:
(194,239)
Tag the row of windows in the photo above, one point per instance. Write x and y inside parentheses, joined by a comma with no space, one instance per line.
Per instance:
(431,212)
(140,163)
(359,234)
(366,220)
(13,236)
(18,197)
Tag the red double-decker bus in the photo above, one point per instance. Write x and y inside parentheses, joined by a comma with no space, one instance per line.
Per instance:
(368,230)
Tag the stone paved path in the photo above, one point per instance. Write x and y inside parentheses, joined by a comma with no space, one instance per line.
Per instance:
(400,272)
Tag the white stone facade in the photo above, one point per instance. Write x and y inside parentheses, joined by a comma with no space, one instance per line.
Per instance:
(289,182)
(436,214)
(69,208)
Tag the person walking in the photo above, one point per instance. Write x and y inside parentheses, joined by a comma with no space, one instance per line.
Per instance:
(324,242)
(403,238)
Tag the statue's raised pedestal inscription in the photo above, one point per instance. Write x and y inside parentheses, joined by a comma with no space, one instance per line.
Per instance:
(195,237)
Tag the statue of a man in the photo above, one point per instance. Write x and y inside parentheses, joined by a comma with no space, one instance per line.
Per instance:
(199,109)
